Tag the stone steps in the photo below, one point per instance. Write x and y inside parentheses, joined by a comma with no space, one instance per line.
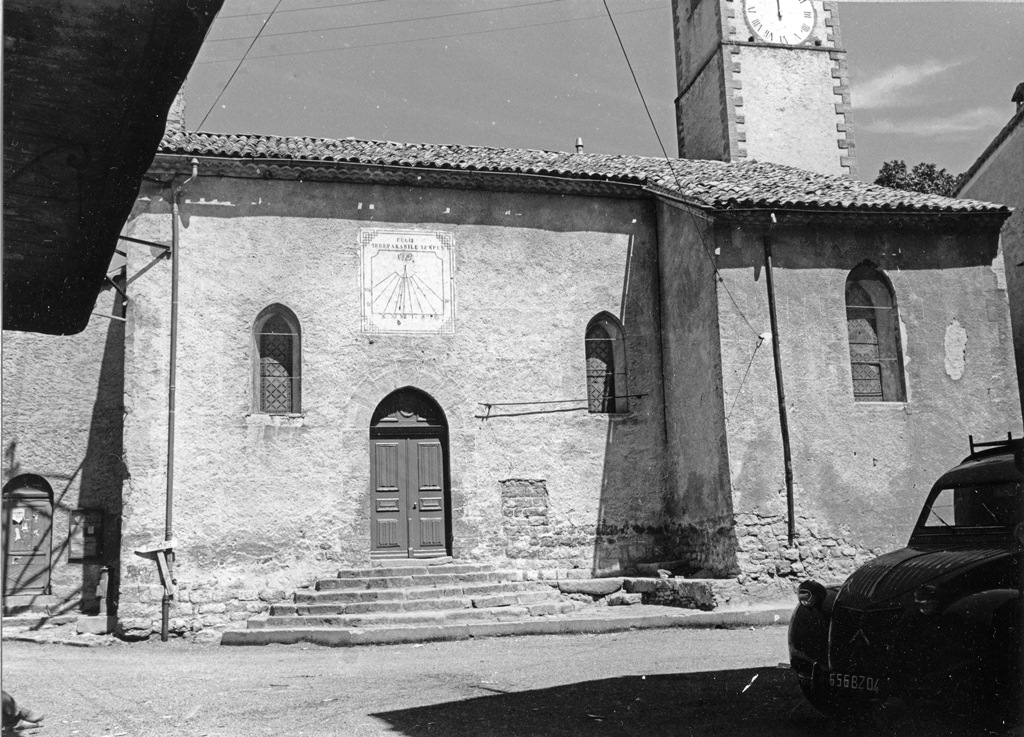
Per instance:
(397,578)
(414,593)
(426,616)
(419,597)
(408,596)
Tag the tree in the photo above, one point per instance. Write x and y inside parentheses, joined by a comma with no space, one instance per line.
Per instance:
(925,178)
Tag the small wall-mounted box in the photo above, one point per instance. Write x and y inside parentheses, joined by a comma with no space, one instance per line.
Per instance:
(85,538)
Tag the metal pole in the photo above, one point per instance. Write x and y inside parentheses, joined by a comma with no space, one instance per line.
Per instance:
(165,604)
(165,607)
(783,417)
(1017,689)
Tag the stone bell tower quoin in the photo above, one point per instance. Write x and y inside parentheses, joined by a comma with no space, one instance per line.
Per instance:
(763,80)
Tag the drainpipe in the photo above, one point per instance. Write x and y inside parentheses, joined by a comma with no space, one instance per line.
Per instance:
(776,353)
(165,607)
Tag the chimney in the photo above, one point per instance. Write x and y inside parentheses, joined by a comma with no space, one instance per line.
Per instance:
(579,143)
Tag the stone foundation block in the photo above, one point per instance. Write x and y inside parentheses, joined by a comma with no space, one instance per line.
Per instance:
(590,586)
(679,592)
(100,625)
(621,598)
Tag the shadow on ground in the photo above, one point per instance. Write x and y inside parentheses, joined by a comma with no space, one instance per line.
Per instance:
(755,702)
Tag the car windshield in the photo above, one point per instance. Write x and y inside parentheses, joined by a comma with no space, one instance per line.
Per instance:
(974,506)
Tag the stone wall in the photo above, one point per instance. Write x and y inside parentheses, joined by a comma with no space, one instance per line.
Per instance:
(272,503)
(698,501)
(765,553)
(1001,179)
(62,407)
(861,469)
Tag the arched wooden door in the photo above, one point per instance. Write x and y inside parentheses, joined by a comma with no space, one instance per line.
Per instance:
(27,532)
(410,504)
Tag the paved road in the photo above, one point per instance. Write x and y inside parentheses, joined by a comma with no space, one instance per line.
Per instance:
(654,682)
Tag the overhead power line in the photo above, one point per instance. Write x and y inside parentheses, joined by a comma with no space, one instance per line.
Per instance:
(307,8)
(224,88)
(672,169)
(390,22)
(428,38)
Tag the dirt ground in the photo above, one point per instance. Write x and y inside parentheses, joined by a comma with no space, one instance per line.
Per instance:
(652,682)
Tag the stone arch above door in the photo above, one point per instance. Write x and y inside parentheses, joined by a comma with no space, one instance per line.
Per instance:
(408,407)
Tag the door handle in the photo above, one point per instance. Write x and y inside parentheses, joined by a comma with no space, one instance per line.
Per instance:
(414,505)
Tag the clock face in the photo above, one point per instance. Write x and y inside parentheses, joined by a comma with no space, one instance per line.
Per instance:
(780,21)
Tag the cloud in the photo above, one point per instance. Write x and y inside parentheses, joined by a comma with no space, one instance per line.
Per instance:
(895,86)
(958,124)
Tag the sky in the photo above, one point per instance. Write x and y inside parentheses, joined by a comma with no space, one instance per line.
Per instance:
(930,81)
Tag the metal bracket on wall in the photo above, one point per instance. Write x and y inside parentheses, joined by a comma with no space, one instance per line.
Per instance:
(166,247)
(159,551)
(124,297)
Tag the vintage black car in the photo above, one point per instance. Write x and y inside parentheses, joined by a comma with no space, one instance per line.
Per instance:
(938,619)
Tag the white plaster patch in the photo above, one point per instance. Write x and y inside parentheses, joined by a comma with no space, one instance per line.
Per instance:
(999,267)
(956,350)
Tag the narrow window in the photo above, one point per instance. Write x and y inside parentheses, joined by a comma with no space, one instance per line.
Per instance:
(278,365)
(872,322)
(606,366)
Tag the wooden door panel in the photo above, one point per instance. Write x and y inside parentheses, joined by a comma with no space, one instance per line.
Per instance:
(431,533)
(388,535)
(427,523)
(389,526)
(27,533)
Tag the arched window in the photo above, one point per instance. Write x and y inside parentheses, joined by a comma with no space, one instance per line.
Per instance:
(278,365)
(606,366)
(873,326)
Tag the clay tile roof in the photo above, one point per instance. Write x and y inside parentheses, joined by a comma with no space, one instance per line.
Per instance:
(710,184)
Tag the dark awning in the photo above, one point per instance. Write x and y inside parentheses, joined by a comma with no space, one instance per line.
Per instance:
(87,87)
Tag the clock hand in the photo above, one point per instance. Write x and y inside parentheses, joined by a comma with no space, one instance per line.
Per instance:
(778,7)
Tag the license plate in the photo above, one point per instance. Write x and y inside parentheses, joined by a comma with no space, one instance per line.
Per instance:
(852,682)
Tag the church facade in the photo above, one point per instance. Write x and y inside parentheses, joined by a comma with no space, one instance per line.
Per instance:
(560,362)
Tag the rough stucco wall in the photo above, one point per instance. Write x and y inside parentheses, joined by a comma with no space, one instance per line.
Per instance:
(698,497)
(1001,180)
(698,28)
(263,505)
(861,469)
(701,117)
(700,126)
(784,91)
(62,405)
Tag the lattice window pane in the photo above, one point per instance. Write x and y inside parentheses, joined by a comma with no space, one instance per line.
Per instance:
(862,329)
(867,382)
(864,352)
(276,343)
(872,344)
(600,375)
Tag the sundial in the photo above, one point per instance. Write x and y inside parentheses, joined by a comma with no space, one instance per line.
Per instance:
(406,281)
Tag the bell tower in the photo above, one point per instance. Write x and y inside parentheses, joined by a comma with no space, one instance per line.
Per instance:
(764,80)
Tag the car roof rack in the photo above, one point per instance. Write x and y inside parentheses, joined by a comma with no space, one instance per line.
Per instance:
(1010,440)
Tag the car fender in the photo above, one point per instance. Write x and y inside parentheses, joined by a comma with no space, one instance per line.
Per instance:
(981,608)
(808,633)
